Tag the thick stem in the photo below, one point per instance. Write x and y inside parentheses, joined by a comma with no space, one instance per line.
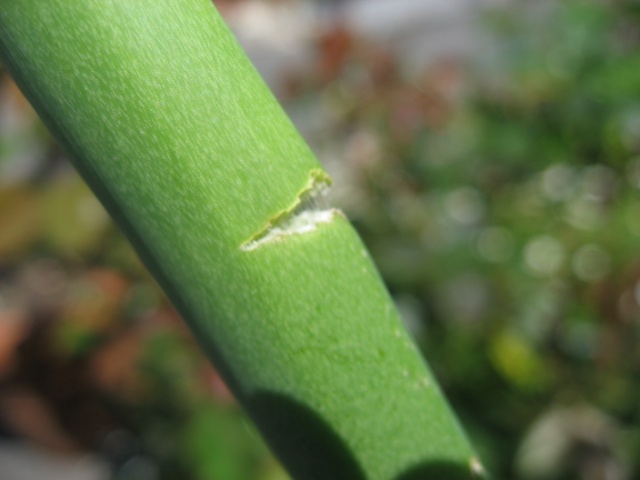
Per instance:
(175,132)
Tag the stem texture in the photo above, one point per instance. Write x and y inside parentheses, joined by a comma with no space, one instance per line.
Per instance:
(175,132)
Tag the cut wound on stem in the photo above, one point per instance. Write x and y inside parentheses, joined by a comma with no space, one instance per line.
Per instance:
(303,216)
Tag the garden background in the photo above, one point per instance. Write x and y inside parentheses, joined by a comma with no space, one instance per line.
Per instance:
(489,155)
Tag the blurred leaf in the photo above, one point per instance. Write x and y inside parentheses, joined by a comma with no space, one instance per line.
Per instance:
(219,445)
(20,221)
(518,362)
(74,222)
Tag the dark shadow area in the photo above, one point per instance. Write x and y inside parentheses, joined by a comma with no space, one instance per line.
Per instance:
(438,471)
(304,442)
(312,450)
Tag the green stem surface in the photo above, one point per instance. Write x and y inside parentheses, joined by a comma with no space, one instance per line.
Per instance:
(177,135)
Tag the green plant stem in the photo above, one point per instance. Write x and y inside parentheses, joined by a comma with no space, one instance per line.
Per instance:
(175,132)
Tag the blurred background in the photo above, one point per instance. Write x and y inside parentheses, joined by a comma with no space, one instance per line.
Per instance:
(488,152)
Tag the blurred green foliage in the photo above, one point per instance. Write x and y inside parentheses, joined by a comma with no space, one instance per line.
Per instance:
(508,223)
(501,202)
